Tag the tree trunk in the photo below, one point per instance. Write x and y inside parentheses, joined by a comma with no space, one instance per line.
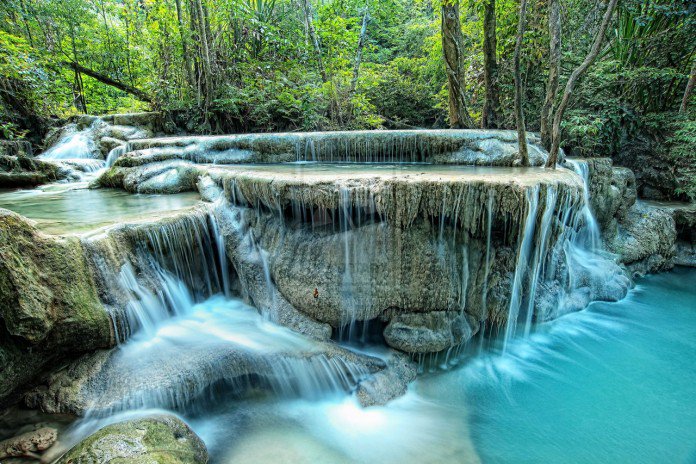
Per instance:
(554,70)
(573,79)
(689,89)
(78,89)
(490,119)
(309,19)
(358,55)
(519,111)
(111,82)
(453,51)
(205,54)
(184,49)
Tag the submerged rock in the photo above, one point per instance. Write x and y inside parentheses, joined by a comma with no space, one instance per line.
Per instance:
(49,305)
(161,439)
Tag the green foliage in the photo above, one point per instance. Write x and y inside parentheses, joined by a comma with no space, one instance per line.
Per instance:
(266,74)
(682,148)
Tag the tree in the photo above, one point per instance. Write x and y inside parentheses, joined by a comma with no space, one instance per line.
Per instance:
(358,54)
(453,51)
(554,70)
(519,111)
(490,118)
(689,89)
(572,81)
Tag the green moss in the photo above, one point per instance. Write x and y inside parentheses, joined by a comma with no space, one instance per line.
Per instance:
(113,177)
(49,306)
(159,439)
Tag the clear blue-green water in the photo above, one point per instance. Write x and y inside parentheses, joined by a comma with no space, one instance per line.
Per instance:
(73,208)
(615,383)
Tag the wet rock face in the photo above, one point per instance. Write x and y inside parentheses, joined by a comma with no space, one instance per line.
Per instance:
(612,193)
(49,306)
(646,239)
(431,254)
(161,439)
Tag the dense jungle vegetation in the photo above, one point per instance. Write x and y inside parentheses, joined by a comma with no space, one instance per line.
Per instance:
(220,66)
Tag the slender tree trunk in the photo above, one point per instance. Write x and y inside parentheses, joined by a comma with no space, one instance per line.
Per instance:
(554,70)
(689,89)
(205,54)
(184,48)
(490,118)
(78,87)
(519,111)
(358,55)
(453,51)
(25,15)
(196,40)
(309,20)
(573,79)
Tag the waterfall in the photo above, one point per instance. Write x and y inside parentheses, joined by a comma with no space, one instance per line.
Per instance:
(115,154)
(593,236)
(523,252)
(73,144)
(152,271)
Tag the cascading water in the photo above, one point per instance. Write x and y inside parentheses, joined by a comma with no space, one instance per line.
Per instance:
(115,153)
(591,229)
(187,343)
(73,145)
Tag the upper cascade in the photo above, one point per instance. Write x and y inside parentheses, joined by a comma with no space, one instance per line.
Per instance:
(468,147)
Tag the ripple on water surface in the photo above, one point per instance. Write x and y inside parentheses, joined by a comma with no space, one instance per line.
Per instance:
(74,208)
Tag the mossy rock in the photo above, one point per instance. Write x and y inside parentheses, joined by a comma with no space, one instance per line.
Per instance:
(49,306)
(156,439)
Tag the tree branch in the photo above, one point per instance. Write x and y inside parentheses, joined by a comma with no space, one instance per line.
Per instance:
(139,94)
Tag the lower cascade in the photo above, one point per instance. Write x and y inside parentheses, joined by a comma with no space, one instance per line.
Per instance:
(338,297)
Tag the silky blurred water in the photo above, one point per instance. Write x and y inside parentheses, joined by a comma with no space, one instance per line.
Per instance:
(615,383)
(63,208)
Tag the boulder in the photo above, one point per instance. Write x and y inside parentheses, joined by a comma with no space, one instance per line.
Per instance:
(160,439)
(19,171)
(390,383)
(646,239)
(612,192)
(49,308)
(429,332)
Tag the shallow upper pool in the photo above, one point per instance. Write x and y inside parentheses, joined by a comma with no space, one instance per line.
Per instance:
(74,208)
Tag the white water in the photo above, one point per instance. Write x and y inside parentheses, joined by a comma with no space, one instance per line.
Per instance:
(72,146)
(592,233)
